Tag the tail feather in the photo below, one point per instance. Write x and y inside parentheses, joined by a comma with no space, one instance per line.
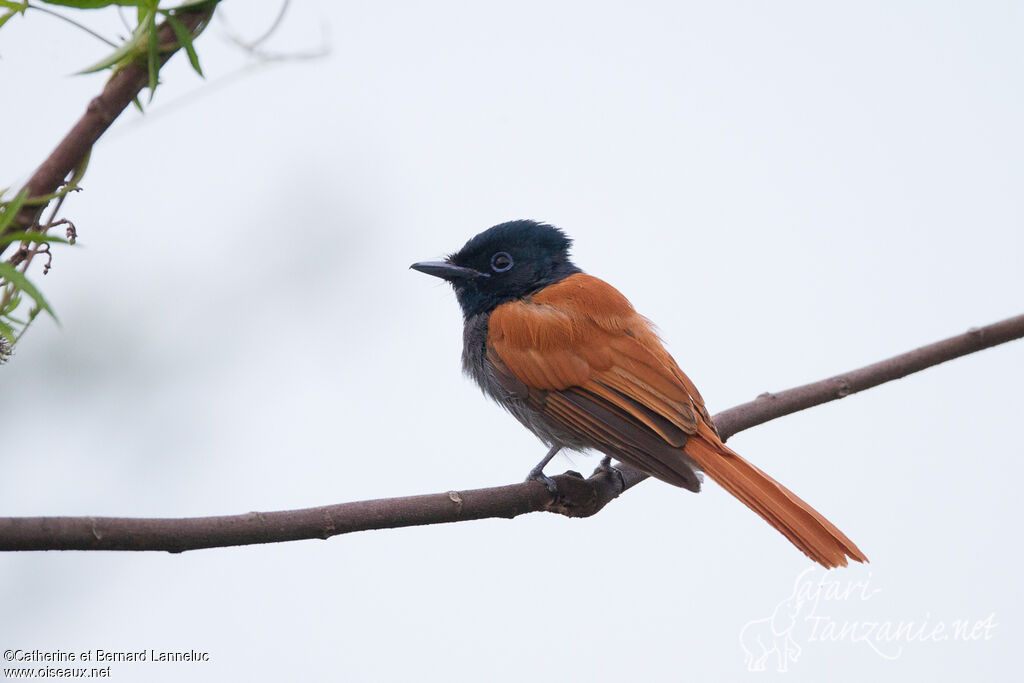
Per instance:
(814,535)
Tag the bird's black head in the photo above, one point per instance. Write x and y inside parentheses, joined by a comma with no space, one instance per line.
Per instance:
(504,263)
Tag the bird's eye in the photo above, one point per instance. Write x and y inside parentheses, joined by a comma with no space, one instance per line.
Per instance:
(501,262)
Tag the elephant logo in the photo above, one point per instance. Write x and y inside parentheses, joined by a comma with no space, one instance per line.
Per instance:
(772,637)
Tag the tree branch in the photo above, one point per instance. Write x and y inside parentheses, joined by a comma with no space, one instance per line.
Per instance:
(123,87)
(578,497)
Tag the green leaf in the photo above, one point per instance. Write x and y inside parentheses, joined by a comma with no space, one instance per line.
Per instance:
(121,53)
(12,305)
(12,275)
(13,9)
(31,237)
(146,6)
(11,209)
(7,332)
(32,316)
(185,39)
(113,58)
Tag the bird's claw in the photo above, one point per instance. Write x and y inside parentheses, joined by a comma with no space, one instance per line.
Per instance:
(548,482)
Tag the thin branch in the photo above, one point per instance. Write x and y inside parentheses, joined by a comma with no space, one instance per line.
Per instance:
(578,497)
(123,87)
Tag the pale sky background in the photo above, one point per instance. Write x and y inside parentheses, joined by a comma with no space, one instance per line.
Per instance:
(789,189)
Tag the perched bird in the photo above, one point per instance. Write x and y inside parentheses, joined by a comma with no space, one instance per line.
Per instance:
(567,355)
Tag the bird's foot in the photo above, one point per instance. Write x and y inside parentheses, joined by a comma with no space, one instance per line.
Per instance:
(537,474)
(606,466)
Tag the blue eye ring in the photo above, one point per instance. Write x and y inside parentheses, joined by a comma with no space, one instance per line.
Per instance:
(501,262)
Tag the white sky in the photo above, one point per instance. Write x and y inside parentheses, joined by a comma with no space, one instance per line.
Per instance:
(788,189)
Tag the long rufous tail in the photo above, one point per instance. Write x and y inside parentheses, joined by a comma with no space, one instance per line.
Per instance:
(818,538)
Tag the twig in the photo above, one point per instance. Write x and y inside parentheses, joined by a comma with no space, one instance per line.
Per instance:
(254,49)
(251,45)
(577,497)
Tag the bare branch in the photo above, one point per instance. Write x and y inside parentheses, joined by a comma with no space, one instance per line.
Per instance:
(577,497)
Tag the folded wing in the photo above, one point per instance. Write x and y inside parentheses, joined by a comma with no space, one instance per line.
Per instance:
(579,354)
(593,365)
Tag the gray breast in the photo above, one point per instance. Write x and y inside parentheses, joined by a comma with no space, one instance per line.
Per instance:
(476,365)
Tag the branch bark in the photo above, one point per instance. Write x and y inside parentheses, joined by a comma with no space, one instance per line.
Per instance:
(123,87)
(578,497)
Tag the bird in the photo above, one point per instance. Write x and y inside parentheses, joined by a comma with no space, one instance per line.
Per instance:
(570,358)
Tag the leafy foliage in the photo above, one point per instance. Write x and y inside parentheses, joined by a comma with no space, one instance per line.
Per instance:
(13,282)
(142,47)
(142,44)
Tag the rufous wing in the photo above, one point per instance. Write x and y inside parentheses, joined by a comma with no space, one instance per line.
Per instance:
(593,365)
(579,354)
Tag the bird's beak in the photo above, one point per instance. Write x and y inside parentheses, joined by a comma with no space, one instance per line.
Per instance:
(447,271)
